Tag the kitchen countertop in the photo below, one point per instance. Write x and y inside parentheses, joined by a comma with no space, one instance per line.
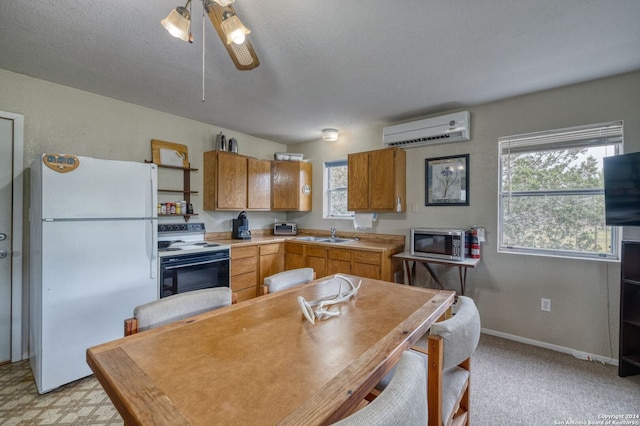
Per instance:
(373,242)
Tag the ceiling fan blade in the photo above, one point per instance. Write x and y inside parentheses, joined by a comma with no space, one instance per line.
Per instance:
(243,55)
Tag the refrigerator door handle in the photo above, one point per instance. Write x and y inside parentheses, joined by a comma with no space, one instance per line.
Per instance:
(153,261)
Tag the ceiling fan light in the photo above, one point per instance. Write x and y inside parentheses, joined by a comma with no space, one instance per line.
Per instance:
(329,135)
(178,23)
(234,29)
(224,2)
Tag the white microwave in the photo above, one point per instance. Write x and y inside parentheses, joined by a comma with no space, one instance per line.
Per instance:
(448,244)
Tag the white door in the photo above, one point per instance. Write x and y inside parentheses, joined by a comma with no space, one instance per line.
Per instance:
(6,200)
(12,332)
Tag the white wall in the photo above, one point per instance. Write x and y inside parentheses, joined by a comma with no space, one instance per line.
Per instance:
(507,287)
(65,120)
(60,119)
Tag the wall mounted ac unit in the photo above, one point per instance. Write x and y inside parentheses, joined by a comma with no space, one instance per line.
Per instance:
(430,131)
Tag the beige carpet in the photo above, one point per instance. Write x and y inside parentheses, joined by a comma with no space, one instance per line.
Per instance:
(512,384)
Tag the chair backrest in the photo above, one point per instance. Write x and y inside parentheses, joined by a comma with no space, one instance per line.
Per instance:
(286,279)
(403,401)
(180,306)
(460,333)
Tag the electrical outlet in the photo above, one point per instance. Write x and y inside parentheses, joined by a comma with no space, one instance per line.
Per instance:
(545,305)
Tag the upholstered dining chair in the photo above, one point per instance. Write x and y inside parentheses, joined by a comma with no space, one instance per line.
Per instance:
(403,401)
(286,279)
(448,346)
(177,307)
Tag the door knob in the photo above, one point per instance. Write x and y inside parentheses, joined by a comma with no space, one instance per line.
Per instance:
(3,254)
(3,236)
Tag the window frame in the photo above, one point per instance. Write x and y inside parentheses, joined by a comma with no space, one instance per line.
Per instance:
(608,135)
(327,191)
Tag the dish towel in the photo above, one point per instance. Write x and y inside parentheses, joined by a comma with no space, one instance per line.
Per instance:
(364,220)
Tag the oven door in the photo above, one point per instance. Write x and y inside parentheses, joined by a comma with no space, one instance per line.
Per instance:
(194,271)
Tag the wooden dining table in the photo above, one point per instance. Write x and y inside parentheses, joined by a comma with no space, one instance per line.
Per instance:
(260,362)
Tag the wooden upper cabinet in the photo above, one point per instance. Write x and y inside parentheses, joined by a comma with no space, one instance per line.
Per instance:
(236,182)
(358,194)
(291,186)
(377,180)
(258,184)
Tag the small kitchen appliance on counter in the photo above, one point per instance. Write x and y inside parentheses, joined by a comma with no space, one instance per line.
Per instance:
(280,228)
(241,227)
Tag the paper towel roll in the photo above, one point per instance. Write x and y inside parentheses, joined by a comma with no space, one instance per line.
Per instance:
(363,220)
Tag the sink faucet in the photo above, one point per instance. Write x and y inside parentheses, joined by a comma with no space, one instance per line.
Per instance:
(333,232)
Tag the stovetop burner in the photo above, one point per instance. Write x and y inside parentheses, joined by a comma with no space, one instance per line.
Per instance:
(184,237)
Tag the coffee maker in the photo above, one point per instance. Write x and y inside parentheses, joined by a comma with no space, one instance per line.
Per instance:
(241,227)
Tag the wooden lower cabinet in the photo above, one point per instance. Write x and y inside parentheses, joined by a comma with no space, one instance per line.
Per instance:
(338,261)
(328,261)
(366,264)
(316,258)
(250,264)
(244,272)
(271,261)
(293,255)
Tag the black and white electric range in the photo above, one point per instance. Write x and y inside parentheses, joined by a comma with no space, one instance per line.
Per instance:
(187,261)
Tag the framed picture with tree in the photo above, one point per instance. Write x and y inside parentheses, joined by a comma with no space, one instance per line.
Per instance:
(447,181)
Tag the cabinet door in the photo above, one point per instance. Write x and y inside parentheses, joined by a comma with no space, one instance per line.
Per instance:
(271,260)
(338,261)
(366,270)
(232,181)
(258,184)
(358,168)
(316,258)
(335,266)
(382,180)
(291,186)
(285,183)
(293,256)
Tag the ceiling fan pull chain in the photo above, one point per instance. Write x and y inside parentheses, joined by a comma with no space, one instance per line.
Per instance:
(203,8)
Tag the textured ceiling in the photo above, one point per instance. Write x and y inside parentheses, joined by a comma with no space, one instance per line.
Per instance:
(323,63)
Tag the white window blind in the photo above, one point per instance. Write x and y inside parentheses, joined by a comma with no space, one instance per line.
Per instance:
(551,192)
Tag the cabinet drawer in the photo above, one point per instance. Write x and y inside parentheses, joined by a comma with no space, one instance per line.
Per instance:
(244,265)
(245,251)
(315,251)
(293,248)
(335,266)
(269,249)
(366,270)
(242,281)
(246,294)
(366,257)
(339,254)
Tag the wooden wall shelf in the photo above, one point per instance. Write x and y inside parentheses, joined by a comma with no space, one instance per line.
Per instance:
(186,188)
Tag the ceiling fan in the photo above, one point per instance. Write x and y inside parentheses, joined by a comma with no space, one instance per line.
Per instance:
(230,29)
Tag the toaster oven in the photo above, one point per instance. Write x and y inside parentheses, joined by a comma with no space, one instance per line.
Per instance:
(285,229)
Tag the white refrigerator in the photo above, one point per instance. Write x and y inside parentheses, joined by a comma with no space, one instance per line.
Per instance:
(93,258)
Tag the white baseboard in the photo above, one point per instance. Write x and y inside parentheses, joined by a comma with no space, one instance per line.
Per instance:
(573,352)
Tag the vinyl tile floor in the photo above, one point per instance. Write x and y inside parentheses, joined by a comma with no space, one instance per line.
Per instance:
(82,402)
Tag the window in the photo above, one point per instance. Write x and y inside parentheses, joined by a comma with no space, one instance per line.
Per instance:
(335,184)
(551,192)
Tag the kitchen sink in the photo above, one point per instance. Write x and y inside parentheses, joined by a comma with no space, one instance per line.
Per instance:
(316,239)
(325,239)
(338,240)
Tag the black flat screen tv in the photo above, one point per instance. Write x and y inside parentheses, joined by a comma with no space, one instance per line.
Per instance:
(622,189)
